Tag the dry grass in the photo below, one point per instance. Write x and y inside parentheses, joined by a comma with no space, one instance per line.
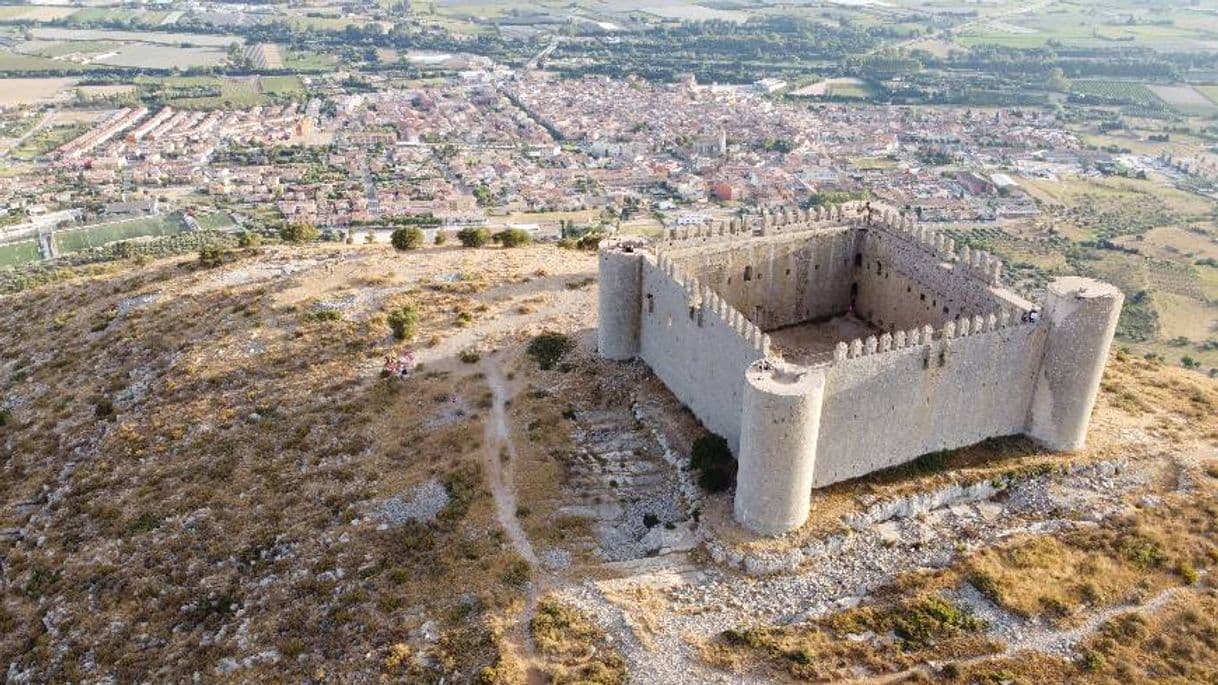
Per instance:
(886,638)
(1179,644)
(575,650)
(214,457)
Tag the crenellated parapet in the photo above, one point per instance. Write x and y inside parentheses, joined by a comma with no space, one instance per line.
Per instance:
(978,264)
(955,329)
(782,220)
(707,307)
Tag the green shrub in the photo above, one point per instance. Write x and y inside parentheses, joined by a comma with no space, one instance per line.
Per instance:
(1093,661)
(407,238)
(549,347)
(248,239)
(404,321)
(103,408)
(474,237)
(712,458)
(325,314)
(590,240)
(920,624)
(440,238)
(517,573)
(986,584)
(470,356)
(299,232)
(6,417)
(513,237)
(1142,550)
(211,256)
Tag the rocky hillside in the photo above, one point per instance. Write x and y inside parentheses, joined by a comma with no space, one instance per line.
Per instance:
(205,473)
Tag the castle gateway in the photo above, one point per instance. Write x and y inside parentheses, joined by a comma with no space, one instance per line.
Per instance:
(826,345)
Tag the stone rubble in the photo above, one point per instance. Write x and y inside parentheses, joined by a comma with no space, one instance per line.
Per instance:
(421,503)
(838,572)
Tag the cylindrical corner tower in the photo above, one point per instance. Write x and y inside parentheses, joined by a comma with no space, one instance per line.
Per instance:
(779,428)
(620,300)
(1081,314)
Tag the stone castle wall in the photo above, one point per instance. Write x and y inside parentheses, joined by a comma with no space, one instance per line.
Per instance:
(884,408)
(698,344)
(779,280)
(936,380)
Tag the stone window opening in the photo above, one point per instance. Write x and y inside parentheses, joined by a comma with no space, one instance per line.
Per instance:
(748,273)
(858,259)
(879,267)
(651,304)
(854,290)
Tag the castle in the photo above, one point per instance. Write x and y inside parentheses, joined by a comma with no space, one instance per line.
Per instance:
(826,345)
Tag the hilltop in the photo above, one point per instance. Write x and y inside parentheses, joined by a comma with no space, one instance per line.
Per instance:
(204,472)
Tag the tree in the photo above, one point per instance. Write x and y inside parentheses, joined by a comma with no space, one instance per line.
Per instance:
(513,237)
(299,232)
(403,321)
(473,237)
(407,238)
(483,195)
(1057,80)
(211,255)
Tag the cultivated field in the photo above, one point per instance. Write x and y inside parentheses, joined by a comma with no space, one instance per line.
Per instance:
(162,57)
(29,91)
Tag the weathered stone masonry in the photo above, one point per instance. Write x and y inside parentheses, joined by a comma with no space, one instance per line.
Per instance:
(953,357)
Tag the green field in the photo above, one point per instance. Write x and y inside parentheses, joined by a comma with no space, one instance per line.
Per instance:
(47,139)
(1117,91)
(281,85)
(1106,24)
(102,234)
(10,61)
(128,16)
(15,254)
(1210,92)
(215,221)
(236,93)
(303,60)
(860,91)
(88,47)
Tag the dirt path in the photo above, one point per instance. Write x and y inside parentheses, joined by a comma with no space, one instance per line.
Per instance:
(500,461)
(500,466)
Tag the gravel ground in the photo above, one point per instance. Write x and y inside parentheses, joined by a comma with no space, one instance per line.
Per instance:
(924,531)
(421,503)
